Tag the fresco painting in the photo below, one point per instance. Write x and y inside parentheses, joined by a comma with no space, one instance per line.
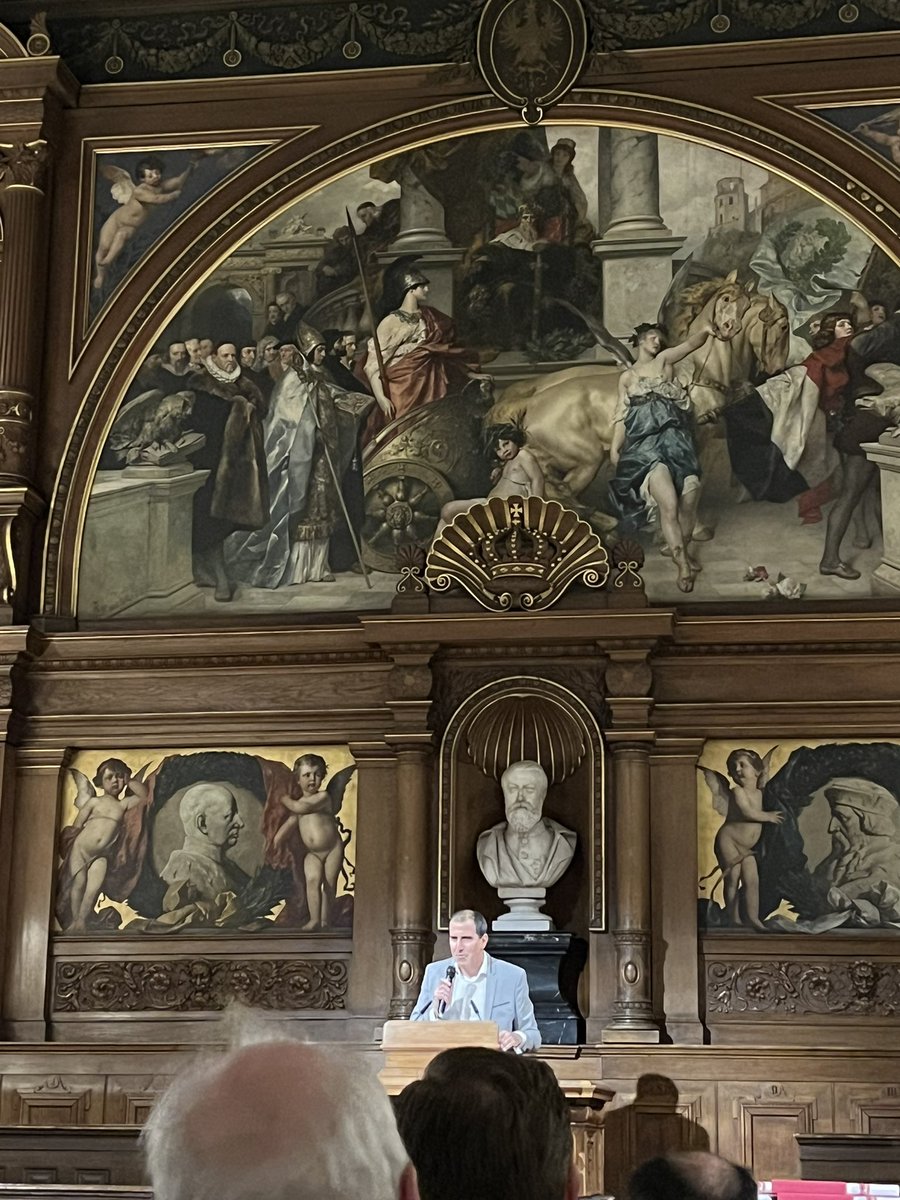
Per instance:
(167,842)
(799,837)
(875,126)
(680,345)
(139,194)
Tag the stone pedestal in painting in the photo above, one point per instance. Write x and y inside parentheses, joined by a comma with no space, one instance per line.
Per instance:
(553,963)
(885,453)
(636,249)
(148,523)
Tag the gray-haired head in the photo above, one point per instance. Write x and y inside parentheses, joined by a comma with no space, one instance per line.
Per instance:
(278,1119)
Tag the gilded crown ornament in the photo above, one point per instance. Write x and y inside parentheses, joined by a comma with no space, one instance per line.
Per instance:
(520,552)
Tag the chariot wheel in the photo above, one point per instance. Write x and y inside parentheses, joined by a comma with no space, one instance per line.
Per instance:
(403,504)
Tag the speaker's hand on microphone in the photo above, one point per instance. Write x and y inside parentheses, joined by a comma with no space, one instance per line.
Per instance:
(442,995)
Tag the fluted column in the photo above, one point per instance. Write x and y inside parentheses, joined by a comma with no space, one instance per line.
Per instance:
(23,169)
(628,683)
(411,935)
(632,1015)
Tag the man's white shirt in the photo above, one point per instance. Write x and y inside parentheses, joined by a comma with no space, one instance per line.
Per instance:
(468,1000)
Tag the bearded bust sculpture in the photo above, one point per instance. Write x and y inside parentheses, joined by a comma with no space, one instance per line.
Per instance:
(527,853)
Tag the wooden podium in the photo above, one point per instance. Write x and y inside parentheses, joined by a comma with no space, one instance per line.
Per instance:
(409,1046)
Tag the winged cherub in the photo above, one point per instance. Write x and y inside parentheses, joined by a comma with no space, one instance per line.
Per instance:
(136,199)
(734,847)
(314,815)
(95,832)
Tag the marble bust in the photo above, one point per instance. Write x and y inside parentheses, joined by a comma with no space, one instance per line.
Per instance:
(527,853)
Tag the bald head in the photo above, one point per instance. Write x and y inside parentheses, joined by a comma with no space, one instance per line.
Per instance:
(692,1175)
(210,810)
(283,1120)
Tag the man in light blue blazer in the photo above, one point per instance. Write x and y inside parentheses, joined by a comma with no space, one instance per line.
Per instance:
(473,986)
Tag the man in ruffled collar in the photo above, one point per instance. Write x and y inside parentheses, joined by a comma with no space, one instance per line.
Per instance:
(235,494)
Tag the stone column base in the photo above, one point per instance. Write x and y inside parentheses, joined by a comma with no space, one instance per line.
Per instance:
(885,453)
(636,276)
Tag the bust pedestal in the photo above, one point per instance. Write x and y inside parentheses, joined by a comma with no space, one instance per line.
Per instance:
(553,963)
(524,904)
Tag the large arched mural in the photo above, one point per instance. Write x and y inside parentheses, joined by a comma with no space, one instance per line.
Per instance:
(270,457)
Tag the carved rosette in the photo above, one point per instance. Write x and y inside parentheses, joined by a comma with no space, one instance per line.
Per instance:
(863,987)
(411,950)
(191,985)
(517,553)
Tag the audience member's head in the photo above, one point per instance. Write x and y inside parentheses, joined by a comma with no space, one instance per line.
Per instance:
(488,1126)
(278,1119)
(691,1175)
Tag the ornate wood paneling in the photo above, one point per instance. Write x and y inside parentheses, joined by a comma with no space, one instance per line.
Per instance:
(764,1119)
(867,1108)
(190,984)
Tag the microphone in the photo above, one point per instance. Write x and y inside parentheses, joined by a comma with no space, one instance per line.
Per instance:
(451,975)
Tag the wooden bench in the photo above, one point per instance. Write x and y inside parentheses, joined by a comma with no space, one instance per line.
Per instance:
(89,1155)
(71,1191)
(854,1157)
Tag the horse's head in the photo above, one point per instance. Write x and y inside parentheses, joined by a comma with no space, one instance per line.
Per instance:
(727,306)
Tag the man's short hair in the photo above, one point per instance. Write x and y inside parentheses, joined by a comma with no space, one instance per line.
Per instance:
(692,1175)
(505,1113)
(469,914)
(283,1120)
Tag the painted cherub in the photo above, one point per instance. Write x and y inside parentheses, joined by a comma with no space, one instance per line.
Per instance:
(742,808)
(516,471)
(314,815)
(94,833)
(136,199)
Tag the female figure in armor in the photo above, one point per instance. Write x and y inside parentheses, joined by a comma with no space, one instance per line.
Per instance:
(421,363)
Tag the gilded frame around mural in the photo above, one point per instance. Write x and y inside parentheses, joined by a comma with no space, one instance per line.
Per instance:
(530,54)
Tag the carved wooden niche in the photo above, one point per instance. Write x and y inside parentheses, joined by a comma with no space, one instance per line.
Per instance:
(522,718)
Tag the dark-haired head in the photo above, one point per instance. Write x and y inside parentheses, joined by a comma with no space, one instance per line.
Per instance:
(508,1114)
(825,334)
(152,163)
(692,1175)
(111,764)
(731,761)
(641,331)
(509,431)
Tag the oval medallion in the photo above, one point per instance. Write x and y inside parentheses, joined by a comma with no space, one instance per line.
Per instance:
(531,52)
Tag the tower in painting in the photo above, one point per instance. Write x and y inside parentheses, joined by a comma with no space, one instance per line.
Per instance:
(731,205)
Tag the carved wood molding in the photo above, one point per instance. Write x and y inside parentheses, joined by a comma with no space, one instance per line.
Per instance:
(200,984)
(858,988)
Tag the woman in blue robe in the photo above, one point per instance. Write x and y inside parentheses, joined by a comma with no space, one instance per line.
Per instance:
(652,449)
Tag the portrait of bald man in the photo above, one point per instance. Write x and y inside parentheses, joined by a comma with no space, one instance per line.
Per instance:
(212,826)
